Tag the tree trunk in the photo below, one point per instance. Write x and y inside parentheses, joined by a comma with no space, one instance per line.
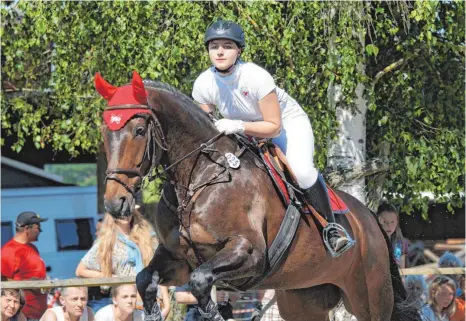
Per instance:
(349,149)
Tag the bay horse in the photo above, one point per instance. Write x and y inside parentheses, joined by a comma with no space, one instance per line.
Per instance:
(223,236)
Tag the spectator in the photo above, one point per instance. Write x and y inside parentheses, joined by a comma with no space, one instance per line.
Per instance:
(441,304)
(449,260)
(12,303)
(183,295)
(416,288)
(21,261)
(460,313)
(73,307)
(389,219)
(98,226)
(124,247)
(271,312)
(98,298)
(124,299)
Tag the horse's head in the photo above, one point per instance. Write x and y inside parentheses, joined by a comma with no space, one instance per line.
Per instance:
(133,140)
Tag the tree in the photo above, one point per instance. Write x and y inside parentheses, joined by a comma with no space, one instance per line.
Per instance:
(404,56)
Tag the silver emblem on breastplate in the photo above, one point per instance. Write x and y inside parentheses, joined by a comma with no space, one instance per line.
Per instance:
(232,160)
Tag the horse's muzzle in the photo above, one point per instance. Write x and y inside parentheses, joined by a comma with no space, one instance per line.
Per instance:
(119,206)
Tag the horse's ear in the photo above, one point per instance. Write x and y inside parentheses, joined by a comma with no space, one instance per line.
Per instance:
(103,87)
(138,89)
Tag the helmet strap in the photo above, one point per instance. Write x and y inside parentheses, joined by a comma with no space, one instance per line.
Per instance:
(225,71)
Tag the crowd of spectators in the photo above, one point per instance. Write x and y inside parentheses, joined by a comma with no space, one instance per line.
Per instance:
(131,243)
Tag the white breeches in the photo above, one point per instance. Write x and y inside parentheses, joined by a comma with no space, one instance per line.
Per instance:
(296,140)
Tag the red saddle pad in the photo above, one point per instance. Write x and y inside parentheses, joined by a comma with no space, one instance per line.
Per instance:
(337,204)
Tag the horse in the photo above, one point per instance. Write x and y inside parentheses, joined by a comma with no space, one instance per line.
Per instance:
(216,224)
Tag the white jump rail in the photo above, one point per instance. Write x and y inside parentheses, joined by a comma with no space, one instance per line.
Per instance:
(47,284)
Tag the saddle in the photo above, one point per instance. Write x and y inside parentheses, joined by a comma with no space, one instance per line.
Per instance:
(286,182)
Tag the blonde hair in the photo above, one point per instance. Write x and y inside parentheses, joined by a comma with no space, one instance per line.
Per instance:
(114,291)
(141,233)
(434,287)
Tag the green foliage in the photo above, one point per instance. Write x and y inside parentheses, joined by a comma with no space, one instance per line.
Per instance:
(51,51)
(420,105)
(78,174)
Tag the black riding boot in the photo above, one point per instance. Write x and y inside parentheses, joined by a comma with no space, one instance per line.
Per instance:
(317,196)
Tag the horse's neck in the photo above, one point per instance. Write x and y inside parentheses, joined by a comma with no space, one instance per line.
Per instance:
(199,167)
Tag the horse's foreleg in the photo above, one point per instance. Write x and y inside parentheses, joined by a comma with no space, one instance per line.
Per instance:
(147,282)
(164,269)
(236,260)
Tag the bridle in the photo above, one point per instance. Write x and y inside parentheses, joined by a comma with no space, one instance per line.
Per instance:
(155,137)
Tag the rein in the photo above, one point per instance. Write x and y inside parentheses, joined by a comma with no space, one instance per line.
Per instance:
(156,137)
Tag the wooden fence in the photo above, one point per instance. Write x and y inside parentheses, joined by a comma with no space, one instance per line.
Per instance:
(46,284)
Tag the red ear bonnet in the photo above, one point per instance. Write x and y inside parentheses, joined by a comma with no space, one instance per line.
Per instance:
(104,88)
(130,97)
(138,89)
(134,94)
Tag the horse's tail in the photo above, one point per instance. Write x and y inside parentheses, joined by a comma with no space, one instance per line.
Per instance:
(402,310)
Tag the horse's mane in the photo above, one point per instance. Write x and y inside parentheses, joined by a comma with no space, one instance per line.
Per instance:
(186,102)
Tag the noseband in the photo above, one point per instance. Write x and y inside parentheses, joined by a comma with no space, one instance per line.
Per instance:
(155,138)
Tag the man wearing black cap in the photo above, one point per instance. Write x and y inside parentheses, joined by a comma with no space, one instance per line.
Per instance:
(21,261)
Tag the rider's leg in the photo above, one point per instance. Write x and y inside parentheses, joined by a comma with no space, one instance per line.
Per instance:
(317,196)
(297,142)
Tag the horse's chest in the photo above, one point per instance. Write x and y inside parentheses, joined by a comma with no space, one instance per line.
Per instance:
(196,245)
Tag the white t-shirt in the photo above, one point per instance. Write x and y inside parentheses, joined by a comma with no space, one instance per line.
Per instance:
(237,96)
(60,314)
(106,314)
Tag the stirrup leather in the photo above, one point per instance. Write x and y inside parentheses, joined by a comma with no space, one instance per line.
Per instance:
(326,235)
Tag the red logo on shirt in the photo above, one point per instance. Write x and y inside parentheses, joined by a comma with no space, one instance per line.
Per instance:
(245,92)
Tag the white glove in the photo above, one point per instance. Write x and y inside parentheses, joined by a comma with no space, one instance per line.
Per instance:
(228,126)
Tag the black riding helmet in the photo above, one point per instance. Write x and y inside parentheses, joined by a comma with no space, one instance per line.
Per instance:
(224,29)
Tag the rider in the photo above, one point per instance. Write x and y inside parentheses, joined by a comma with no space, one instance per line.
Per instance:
(250,102)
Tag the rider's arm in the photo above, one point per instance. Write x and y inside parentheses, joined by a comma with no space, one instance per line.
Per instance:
(271,113)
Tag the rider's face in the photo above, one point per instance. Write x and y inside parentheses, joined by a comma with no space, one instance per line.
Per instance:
(223,53)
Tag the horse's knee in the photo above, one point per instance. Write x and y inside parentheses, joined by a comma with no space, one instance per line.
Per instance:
(201,281)
(146,280)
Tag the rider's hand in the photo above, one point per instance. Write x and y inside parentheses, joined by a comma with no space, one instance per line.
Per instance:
(228,126)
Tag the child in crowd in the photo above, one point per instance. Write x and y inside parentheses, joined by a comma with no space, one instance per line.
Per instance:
(416,288)
(389,219)
(441,304)
(449,260)
(73,306)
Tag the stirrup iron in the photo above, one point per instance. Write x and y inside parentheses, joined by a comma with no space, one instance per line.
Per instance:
(339,228)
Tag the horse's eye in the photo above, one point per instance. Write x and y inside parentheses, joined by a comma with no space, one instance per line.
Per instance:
(140,131)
